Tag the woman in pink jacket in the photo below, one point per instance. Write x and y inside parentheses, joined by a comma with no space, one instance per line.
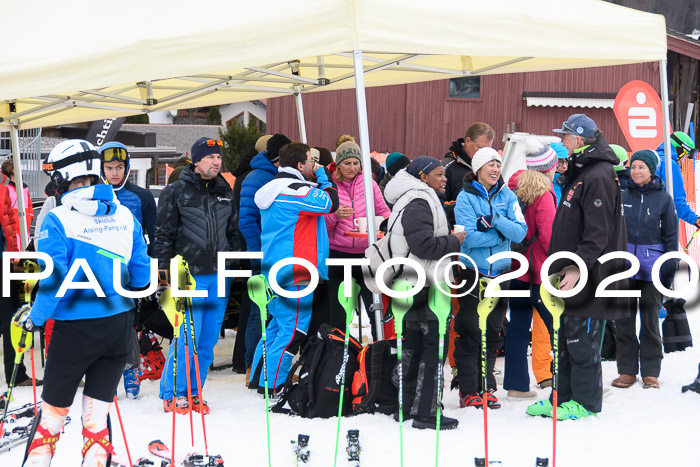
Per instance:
(348,178)
(534,189)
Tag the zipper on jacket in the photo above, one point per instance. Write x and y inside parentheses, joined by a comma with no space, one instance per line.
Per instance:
(639,222)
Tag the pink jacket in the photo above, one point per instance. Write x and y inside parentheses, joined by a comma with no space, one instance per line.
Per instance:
(539,218)
(352,194)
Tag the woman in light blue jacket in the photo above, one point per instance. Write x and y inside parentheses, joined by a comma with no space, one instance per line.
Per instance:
(492,218)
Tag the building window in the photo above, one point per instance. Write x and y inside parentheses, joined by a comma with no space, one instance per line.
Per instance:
(466,88)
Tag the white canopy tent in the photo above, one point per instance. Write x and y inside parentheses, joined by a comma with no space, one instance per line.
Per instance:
(77,60)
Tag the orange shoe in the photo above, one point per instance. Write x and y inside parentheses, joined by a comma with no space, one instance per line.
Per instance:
(181,405)
(197,407)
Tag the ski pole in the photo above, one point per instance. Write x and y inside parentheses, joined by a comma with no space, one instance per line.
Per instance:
(21,341)
(29,284)
(555,305)
(260,293)
(484,309)
(121,424)
(173,311)
(399,307)
(191,285)
(348,301)
(183,277)
(441,306)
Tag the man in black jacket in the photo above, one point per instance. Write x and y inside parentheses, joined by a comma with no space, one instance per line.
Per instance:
(458,161)
(197,219)
(588,223)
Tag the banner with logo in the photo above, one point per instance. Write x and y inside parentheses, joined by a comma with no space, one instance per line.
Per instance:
(638,110)
(104,131)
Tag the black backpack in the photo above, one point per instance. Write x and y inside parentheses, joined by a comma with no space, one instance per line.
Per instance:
(317,394)
(372,386)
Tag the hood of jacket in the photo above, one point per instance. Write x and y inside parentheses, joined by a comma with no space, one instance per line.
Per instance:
(96,200)
(402,183)
(656,184)
(477,188)
(456,151)
(263,163)
(513,180)
(599,151)
(284,178)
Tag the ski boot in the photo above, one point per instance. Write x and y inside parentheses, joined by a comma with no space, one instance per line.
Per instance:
(301,449)
(132,384)
(694,386)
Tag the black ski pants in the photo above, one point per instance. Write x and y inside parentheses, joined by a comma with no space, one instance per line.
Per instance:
(467,352)
(647,352)
(580,371)
(335,277)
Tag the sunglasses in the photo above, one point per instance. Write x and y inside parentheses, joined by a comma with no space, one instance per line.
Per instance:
(115,154)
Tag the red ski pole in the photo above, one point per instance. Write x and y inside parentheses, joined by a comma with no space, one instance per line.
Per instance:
(199,379)
(189,385)
(121,425)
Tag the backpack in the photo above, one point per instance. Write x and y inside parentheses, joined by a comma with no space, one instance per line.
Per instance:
(372,386)
(377,254)
(317,394)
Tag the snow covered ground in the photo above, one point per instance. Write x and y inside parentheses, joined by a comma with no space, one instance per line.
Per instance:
(637,427)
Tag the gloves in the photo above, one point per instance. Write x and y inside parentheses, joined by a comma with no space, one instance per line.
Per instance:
(163,283)
(483,223)
(22,318)
(697,223)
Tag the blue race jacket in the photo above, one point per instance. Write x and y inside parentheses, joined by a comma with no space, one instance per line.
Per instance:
(679,197)
(652,227)
(249,216)
(93,226)
(292,212)
(142,205)
(507,220)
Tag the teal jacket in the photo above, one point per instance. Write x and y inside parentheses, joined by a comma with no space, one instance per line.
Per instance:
(507,220)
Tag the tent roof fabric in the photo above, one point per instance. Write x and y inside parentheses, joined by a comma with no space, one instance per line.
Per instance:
(76,60)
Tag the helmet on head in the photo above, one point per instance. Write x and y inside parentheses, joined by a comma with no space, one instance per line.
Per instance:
(622,155)
(72,159)
(114,151)
(683,144)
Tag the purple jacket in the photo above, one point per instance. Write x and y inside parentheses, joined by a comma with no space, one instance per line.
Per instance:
(352,194)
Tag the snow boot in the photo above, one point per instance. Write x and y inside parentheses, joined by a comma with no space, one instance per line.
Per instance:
(492,401)
(132,383)
(514,394)
(471,400)
(572,410)
(694,386)
(446,423)
(541,408)
(624,381)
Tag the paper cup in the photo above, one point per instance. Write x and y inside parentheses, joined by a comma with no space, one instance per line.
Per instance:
(458,228)
(361,224)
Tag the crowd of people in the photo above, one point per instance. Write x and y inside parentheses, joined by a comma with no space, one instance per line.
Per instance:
(292,200)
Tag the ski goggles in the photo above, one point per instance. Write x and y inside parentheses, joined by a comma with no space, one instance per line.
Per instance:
(115,154)
(212,142)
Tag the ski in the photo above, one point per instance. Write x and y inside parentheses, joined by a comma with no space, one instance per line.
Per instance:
(301,449)
(353,449)
(481,462)
(193,459)
(18,426)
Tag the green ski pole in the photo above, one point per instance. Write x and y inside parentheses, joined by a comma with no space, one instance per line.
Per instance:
(555,305)
(260,293)
(399,307)
(441,306)
(484,309)
(349,303)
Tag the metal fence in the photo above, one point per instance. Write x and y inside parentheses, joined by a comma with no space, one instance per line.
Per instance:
(30,155)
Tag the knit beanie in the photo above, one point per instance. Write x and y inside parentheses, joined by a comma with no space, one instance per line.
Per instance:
(396,161)
(422,165)
(274,145)
(647,156)
(622,155)
(203,147)
(483,156)
(347,150)
(261,143)
(538,156)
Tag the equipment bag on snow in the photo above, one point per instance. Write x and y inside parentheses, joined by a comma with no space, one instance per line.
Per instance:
(317,394)
(676,330)
(372,387)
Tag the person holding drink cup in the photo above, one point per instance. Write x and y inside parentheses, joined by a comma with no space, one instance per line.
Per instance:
(350,215)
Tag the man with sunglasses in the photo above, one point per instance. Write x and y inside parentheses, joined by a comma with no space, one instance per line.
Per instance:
(115,170)
(196,219)
(682,146)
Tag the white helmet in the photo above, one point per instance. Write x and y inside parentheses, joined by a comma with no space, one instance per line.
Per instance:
(71,159)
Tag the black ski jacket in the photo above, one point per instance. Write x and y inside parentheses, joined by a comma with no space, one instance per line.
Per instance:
(196,219)
(589,223)
(457,164)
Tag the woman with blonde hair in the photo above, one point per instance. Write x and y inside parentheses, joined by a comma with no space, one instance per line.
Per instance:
(534,190)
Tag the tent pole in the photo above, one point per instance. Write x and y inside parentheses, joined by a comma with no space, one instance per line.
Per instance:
(300,116)
(21,209)
(361,99)
(667,137)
